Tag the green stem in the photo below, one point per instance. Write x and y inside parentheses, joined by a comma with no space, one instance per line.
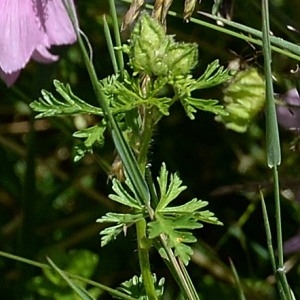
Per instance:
(145,139)
(117,36)
(273,145)
(143,251)
(280,268)
(178,271)
(110,46)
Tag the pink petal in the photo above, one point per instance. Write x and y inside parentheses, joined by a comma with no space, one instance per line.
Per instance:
(9,79)
(42,55)
(58,26)
(19,34)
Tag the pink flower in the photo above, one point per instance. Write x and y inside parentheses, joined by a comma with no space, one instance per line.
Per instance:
(28,28)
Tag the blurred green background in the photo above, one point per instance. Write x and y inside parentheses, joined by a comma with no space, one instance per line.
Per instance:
(49,204)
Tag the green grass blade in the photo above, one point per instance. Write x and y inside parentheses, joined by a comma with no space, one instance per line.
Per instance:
(241,295)
(110,46)
(272,134)
(279,42)
(82,293)
(117,35)
(124,150)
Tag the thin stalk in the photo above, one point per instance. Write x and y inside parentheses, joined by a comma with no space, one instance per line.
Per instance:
(241,295)
(146,136)
(110,46)
(144,261)
(279,42)
(133,171)
(179,272)
(268,233)
(117,36)
(280,268)
(273,144)
(124,150)
(270,244)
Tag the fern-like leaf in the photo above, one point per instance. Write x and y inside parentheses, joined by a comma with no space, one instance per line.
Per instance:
(177,222)
(122,221)
(92,135)
(49,106)
(124,194)
(136,288)
(191,105)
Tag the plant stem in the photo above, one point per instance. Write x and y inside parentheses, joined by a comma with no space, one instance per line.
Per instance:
(145,139)
(273,145)
(280,268)
(178,271)
(143,251)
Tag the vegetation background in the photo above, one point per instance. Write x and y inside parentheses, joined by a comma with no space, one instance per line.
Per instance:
(49,204)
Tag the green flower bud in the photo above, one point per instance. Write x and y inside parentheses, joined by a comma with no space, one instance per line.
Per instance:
(148,47)
(244,98)
(182,58)
(153,52)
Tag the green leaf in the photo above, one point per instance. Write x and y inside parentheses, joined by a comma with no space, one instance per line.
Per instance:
(49,106)
(212,76)
(126,99)
(185,85)
(191,105)
(167,194)
(124,197)
(123,222)
(135,288)
(176,229)
(188,207)
(92,135)
(176,222)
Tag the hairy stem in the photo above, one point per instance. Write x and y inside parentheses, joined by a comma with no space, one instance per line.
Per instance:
(143,251)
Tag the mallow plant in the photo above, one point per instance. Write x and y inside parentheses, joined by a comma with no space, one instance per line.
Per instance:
(130,104)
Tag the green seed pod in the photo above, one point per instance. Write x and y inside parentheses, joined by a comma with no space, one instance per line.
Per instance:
(154,53)
(182,58)
(148,47)
(244,98)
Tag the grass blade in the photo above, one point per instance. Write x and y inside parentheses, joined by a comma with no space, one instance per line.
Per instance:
(82,293)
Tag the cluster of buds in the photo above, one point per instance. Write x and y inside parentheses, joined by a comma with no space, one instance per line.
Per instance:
(154,53)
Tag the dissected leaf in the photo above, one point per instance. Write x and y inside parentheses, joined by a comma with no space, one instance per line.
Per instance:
(122,196)
(167,194)
(176,229)
(49,106)
(177,222)
(191,105)
(136,289)
(123,222)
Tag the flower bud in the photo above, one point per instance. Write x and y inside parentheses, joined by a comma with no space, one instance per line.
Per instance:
(148,47)
(182,58)
(244,98)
